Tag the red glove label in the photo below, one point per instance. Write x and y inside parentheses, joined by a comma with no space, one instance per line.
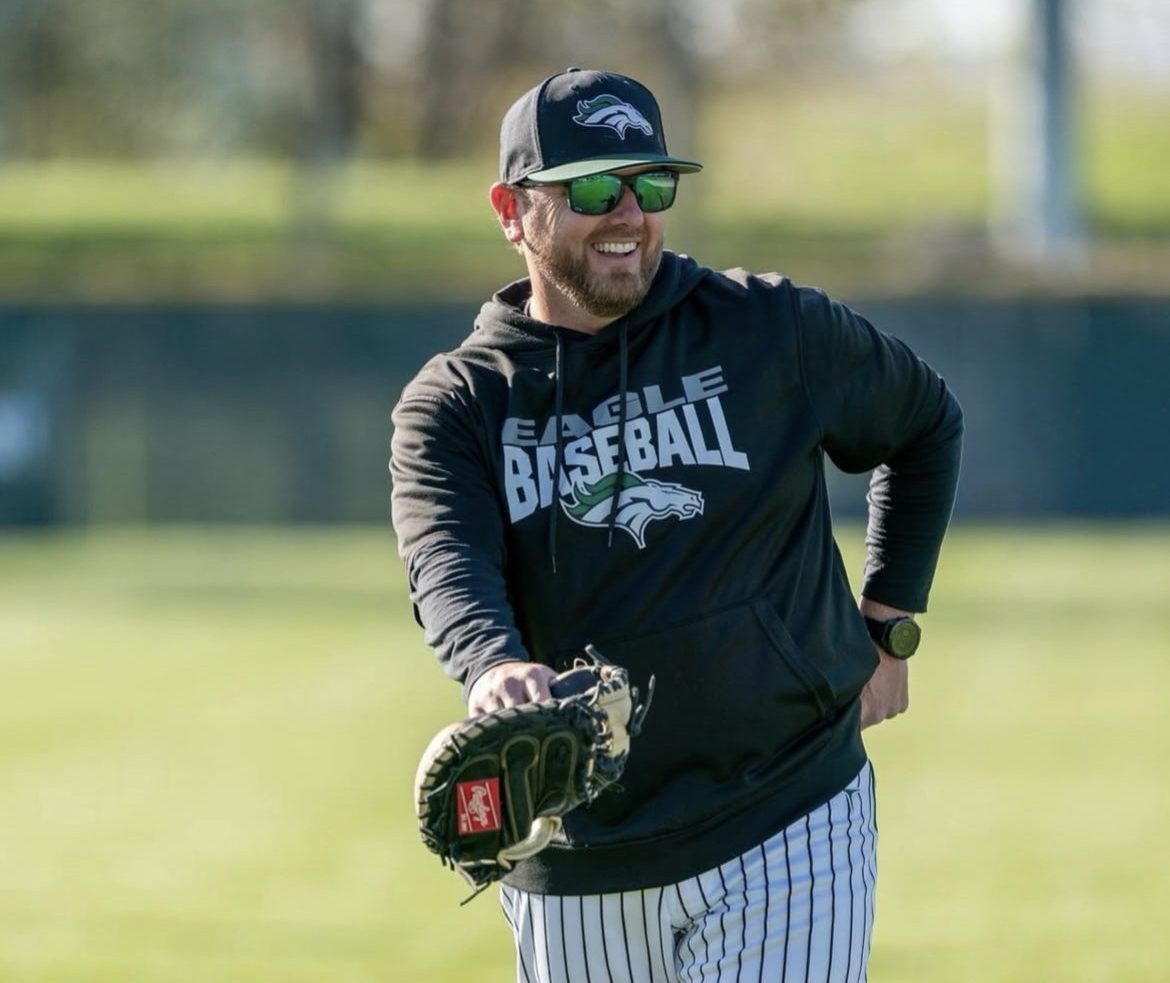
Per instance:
(479,806)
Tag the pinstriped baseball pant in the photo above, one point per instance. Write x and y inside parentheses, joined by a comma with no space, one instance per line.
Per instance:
(798,908)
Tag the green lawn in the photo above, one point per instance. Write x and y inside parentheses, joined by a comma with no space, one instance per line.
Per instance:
(208,739)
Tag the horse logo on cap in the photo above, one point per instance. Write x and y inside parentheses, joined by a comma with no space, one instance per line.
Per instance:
(607,110)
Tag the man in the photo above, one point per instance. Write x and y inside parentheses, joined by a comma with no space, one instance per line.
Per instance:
(628,450)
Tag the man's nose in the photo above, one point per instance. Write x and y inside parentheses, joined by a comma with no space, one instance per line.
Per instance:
(628,207)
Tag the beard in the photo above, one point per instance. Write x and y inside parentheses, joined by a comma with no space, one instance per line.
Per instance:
(602,294)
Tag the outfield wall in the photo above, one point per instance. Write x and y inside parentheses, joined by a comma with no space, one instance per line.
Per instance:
(258,413)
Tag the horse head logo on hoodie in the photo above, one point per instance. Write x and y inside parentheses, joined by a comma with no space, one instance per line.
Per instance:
(640,502)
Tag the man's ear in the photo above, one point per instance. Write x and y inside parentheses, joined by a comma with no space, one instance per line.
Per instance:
(509,207)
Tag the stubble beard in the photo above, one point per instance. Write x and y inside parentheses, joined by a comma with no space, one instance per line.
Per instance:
(602,295)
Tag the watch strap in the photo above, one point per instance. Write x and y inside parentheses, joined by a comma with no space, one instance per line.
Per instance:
(880,631)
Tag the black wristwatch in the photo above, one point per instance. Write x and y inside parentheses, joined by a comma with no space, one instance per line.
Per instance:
(898,636)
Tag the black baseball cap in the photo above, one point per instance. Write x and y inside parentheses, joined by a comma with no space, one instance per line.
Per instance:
(578,123)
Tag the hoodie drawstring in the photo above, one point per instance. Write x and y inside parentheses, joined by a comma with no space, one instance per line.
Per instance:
(559,377)
(623,371)
(559,412)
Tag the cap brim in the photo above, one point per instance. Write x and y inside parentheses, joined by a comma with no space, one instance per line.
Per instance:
(603,165)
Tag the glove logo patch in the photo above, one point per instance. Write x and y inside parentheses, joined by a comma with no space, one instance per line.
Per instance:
(479,806)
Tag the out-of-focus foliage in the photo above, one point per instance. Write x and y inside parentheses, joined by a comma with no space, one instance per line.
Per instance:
(829,127)
(179,78)
(385,77)
(399,77)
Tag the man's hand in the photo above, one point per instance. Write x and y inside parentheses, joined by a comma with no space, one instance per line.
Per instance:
(887,693)
(508,684)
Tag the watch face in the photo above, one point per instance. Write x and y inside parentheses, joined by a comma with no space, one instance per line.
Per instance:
(904,637)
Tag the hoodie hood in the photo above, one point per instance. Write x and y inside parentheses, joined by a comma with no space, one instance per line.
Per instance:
(502,323)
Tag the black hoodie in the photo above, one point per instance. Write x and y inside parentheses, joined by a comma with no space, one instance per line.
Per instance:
(716,568)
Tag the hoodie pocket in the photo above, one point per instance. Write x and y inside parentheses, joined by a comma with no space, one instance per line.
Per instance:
(733,691)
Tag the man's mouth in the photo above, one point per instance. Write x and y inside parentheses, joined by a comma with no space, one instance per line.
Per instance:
(615,248)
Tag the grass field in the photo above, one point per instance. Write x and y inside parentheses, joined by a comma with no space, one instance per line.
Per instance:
(208,739)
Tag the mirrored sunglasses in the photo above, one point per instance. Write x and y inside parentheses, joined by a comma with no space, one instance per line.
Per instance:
(598,194)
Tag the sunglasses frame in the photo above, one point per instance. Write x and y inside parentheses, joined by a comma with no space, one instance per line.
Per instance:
(626,181)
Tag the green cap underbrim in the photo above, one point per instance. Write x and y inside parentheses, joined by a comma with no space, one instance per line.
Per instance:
(603,165)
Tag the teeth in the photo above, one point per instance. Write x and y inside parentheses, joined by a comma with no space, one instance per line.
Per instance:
(621,248)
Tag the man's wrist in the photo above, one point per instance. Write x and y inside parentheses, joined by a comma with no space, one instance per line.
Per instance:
(892,629)
(881,612)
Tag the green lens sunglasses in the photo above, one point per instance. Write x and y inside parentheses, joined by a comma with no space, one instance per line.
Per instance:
(599,194)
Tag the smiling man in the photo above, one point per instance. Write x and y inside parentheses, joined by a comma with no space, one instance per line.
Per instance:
(586,272)
(629,451)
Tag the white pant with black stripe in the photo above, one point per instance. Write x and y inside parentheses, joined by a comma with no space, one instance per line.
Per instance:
(798,907)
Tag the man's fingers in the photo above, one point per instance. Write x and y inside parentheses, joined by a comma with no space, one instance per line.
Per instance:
(505,692)
(887,694)
(867,715)
(509,684)
(477,706)
(536,686)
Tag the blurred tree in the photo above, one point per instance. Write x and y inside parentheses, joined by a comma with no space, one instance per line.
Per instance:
(122,78)
(33,57)
(464,46)
(469,51)
(322,78)
(328,119)
(332,111)
(442,82)
(768,39)
(682,69)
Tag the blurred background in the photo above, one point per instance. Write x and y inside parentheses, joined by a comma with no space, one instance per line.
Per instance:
(229,234)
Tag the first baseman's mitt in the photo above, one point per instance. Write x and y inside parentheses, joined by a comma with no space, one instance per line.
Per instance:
(491,790)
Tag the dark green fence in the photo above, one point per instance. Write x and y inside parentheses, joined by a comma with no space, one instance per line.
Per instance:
(282,414)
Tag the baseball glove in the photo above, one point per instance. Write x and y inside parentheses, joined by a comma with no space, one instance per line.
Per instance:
(491,790)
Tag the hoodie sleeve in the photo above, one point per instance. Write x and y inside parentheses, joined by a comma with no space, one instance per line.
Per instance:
(451,537)
(880,407)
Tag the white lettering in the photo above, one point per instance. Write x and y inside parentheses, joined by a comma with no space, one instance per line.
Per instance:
(571,426)
(581,463)
(654,402)
(657,435)
(703,453)
(609,411)
(519,432)
(518,483)
(699,386)
(731,457)
(640,445)
(546,463)
(672,442)
(605,439)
